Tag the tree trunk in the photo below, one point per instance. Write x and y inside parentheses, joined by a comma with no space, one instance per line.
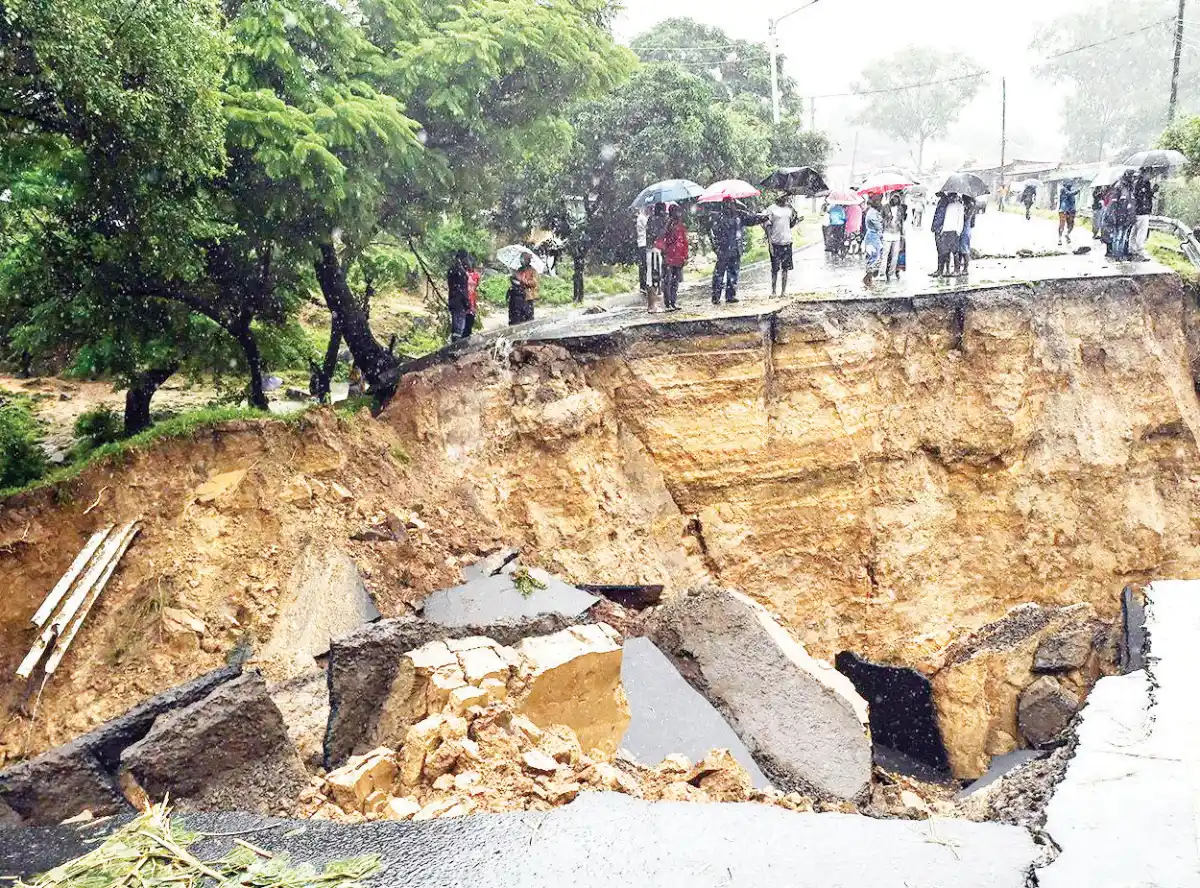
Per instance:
(137,399)
(323,375)
(377,366)
(254,366)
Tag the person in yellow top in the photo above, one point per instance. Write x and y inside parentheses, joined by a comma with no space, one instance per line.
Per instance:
(522,291)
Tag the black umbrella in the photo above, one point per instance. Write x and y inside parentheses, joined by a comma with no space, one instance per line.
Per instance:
(1157,160)
(964,183)
(795,180)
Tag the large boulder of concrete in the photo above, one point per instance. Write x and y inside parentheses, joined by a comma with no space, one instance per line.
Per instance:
(230,750)
(1044,710)
(573,678)
(978,680)
(802,719)
(323,599)
(371,683)
(81,775)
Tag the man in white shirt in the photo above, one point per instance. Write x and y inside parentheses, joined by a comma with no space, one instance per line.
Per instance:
(641,242)
(781,219)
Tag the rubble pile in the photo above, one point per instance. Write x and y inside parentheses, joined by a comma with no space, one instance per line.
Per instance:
(527,727)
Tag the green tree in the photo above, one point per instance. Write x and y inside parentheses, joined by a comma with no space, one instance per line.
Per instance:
(1184,136)
(736,67)
(915,94)
(1117,100)
(663,123)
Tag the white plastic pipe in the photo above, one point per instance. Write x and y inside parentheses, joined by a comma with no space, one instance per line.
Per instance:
(65,639)
(60,588)
(72,605)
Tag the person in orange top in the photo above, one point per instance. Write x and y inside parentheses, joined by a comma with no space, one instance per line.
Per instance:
(523,291)
(674,247)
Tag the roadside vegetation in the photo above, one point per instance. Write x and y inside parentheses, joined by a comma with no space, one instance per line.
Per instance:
(229,192)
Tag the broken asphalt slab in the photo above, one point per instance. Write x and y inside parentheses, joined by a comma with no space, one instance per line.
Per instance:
(1125,813)
(495,598)
(802,719)
(609,839)
(82,773)
(670,716)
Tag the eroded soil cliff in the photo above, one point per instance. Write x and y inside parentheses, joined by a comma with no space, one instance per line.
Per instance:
(886,475)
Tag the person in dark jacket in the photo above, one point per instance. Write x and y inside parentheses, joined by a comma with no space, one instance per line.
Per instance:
(936,225)
(1121,212)
(1068,196)
(458,299)
(1143,203)
(1028,196)
(729,235)
(1097,212)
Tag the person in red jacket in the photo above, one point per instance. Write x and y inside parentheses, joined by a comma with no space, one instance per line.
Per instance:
(674,247)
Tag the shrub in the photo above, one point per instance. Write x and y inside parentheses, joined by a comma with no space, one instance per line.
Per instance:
(1181,199)
(98,427)
(21,458)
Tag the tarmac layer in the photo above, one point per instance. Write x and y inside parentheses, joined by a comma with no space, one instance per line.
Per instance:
(609,839)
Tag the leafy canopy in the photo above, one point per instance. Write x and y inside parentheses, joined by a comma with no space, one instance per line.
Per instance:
(915,94)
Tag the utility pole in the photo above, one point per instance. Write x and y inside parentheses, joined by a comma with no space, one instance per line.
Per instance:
(1003,127)
(854,157)
(773,41)
(773,46)
(1175,65)
(812,114)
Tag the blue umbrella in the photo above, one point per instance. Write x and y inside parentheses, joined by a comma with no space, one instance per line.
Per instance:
(669,191)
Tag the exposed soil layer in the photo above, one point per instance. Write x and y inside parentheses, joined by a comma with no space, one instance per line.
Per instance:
(885,475)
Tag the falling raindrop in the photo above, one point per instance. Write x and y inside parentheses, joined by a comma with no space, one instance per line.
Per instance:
(608,152)
(422,136)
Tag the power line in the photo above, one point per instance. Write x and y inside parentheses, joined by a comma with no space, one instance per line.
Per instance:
(962,77)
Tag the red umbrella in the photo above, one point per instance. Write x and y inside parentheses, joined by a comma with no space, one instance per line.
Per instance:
(882,183)
(728,188)
(844,198)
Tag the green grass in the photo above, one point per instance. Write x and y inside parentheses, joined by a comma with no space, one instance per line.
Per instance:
(183,426)
(1165,249)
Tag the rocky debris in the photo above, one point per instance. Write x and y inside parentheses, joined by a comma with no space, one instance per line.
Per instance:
(303,702)
(1044,710)
(1064,651)
(978,679)
(573,678)
(803,720)
(1019,795)
(502,596)
(229,750)
(366,666)
(900,701)
(324,598)
(667,715)
(82,774)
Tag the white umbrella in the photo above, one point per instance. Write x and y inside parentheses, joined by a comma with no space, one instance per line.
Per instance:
(510,256)
(1109,176)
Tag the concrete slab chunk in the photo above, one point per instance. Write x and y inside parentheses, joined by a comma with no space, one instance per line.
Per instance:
(1125,813)
(670,716)
(803,720)
(496,598)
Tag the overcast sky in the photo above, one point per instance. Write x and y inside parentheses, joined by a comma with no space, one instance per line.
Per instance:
(828,44)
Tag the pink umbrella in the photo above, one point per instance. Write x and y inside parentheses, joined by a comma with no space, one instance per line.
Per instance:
(882,183)
(845,198)
(728,188)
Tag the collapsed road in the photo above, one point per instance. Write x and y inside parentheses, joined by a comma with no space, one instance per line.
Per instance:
(947,497)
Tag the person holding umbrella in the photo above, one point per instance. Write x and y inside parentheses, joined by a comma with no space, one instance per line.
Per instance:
(522,291)
(656,227)
(781,219)
(873,238)
(640,226)
(728,233)
(1143,201)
